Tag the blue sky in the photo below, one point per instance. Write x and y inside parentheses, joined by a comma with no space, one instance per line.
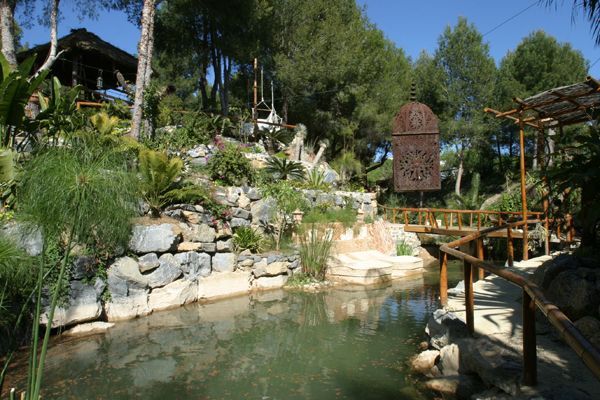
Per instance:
(411,25)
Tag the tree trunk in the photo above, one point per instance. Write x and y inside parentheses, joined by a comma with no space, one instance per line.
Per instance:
(149,122)
(459,173)
(52,54)
(143,62)
(7,19)
(498,148)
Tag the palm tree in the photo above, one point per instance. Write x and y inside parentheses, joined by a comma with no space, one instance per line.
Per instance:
(591,8)
(284,169)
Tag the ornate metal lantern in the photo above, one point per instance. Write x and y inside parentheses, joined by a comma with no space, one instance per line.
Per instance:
(416,149)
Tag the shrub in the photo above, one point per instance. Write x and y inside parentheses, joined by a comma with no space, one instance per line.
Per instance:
(284,169)
(288,200)
(403,249)
(315,250)
(246,238)
(346,216)
(159,175)
(230,167)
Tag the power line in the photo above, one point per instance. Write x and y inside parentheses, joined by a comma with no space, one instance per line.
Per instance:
(511,18)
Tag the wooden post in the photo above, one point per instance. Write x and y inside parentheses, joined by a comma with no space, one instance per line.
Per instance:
(480,256)
(529,341)
(546,222)
(523,187)
(469,303)
(444,279)
(570,228)
(510,247)
(255,90)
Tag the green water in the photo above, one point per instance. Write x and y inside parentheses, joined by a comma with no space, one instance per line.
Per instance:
(345,343)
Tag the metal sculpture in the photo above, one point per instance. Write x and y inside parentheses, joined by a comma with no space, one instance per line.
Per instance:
(416,149)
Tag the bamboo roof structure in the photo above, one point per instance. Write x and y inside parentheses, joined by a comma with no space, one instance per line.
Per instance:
(561,106)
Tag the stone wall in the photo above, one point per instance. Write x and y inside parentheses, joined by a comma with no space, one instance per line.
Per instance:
(187,256)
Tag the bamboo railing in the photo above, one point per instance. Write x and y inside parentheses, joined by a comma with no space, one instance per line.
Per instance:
(533,298)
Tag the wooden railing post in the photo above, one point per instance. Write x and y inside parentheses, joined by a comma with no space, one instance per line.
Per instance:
(570,228)
(469,303)
(480,256)
(444,279)
(510,250)
(529,341)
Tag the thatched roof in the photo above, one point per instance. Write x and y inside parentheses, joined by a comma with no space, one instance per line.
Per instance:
(561,106)
(92,54)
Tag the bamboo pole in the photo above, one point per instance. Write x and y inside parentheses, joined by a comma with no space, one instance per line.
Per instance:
(523,187)
(444,280)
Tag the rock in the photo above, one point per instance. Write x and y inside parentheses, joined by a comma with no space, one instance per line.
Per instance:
(194,264)
(167,272)
(253,194)
(294,264)
(545,273)
(126,270)
(224,262)
(196,152)
(223,230)
(200,233)
(575,292)
(89,329)
(174,294)
(192,217)
(225,245)
(271,282)
(154,238)
(263,211)
(590,328)
(243,201)
(189,246)
(276,268)
(496,366)
(247,263)
(461,386)
(458,290)
(237,222)
(83,267)
(444,327)
(209,247)
(424,361)
(223,284)
(25,237)
(148,262)
(240,213)
(132,306)
(449,360)
(84,305)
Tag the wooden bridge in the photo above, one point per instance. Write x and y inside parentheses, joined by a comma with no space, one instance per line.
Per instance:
(451,222)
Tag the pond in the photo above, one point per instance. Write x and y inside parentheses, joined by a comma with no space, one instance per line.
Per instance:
(343,343)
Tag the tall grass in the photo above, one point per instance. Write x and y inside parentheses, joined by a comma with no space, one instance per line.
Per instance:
(315,250)
(403,249)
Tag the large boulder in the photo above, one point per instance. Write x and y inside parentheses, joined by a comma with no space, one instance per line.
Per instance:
(91,328)
(148,262)
(545,273)
(123,275)
(425,361)
(449,360)
(263,211)
(83,305)
(135,304)
(25,237)
(168,270)
(575,292)
(174,294)
(223,284)
(270,282)
(590,328)
(445,327)
(194,264)
(154,238)
(200,233)
(224,262)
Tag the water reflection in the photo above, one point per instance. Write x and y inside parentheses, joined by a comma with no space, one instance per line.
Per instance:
(350,342)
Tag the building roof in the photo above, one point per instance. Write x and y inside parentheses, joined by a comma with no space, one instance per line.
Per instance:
(561,106)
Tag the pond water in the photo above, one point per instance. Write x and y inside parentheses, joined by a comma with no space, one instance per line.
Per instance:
(344,343)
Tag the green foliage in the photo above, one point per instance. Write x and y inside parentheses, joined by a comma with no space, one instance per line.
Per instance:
(509,201)
(288,199)
(117,108)
(347,165)
(471,200)
(403,249)
(159,175)
(247,238)
(346,216)
(282,168)
(15,90)
(83,194)
(315,250)
(315,180)
(104,123)
(230,167)
(300,279)
(382,174)
(58,116)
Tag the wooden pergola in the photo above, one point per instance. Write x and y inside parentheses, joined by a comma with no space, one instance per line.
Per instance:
(554,108)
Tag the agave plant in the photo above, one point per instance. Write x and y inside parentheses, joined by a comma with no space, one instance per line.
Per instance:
(284,169)
(159,176)
(315,179)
